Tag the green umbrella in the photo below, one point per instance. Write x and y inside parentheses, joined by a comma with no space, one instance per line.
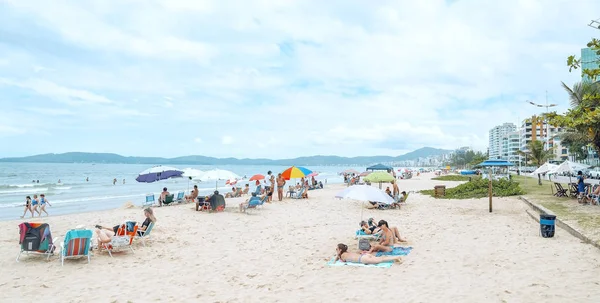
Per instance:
(378,177)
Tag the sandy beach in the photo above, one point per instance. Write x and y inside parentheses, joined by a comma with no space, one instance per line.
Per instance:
(461,253)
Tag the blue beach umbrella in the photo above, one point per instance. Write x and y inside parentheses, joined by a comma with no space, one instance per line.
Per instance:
(158,173)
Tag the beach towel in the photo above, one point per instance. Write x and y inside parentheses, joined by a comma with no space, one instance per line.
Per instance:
(340,263)
(398,251)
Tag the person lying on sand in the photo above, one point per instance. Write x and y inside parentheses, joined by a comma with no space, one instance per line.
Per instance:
(345,256)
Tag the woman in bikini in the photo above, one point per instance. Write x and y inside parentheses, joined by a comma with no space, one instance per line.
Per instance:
(43,203)
(345,256)
(27,207)
(386,244)
(34,205)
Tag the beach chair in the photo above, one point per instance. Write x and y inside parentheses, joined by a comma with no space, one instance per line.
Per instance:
(573,190)
(180,196)
(257,205)
(35,238)
(77,243)
(144,234)
(149,200)
(169,199)
(122,240)
(298,194)
(560,191)
(258,189)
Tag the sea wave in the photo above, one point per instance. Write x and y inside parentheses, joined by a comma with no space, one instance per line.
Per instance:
(76,200)
(23,191)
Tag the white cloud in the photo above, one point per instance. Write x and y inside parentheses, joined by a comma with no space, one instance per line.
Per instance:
(379,77)
(226,140)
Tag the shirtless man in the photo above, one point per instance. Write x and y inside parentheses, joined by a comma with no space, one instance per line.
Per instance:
(193,196)
(280,185)
(395,191)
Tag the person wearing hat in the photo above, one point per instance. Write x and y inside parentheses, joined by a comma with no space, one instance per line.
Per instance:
(163,196)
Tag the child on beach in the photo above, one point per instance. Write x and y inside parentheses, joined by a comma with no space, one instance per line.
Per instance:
(43,203)
(345,256)
(27,207)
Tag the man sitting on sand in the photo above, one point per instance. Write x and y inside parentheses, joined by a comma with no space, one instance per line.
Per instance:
(192,197)
(232,194)
(386,244)
(252,202)
(345,256)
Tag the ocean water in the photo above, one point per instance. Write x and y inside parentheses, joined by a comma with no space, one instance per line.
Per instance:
(74,194)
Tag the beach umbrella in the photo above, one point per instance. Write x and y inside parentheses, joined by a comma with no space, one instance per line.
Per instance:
(218,174)
(379,177)
(365,193)
(364,174)
(350,171)
(569,167)
(231,182)
(313,174)
(295,172)
(257,177)
(192,172)
(157,173)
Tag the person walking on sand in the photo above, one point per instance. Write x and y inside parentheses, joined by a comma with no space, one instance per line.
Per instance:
(280,186)
(35,205)
(27,207)
(43,202)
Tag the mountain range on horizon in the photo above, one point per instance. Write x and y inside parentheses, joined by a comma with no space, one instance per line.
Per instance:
(83,157)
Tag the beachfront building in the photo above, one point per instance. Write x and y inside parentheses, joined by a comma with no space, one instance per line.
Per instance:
(511,144)
(589,60)
(535,129)
(495,139)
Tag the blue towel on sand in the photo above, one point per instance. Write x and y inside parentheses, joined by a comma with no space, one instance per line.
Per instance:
(360,232)
(340,263)
(398,251)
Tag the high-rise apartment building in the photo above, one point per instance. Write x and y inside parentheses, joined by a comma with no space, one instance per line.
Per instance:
(535,129)
(496,136)
(511,143)
(589,60)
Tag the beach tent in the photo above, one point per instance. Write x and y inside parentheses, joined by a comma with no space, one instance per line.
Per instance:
(546,167)
(380,167)
(568,166)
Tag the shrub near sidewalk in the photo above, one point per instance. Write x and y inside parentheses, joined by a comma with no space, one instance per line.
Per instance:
(478,188)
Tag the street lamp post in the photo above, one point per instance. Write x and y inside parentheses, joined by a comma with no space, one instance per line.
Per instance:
(547,106)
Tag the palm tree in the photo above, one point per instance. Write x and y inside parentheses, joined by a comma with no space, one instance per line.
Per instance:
(580,90)
(536,153)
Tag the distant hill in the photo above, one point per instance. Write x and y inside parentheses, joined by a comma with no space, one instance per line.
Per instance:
(77,157)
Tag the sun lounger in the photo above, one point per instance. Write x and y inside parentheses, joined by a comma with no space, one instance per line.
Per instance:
(149,200)
(144,234)
(77,243)
(254,204)
(180,196)
(298,194)
(122,240)
(168,199)
(35,238)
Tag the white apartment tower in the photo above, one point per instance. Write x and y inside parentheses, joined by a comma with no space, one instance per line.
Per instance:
(497,134)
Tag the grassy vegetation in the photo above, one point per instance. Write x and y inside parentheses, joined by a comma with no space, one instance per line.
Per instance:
(584,218)
(456,178)
(478,188)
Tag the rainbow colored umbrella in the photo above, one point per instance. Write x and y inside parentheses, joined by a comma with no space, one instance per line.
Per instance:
(295,172)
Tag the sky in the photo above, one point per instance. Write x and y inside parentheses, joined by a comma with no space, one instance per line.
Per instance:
(278,79)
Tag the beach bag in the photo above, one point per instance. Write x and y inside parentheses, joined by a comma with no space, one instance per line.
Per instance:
(363,244)
(33,238)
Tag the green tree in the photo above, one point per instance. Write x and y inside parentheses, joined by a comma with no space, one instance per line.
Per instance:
(536,153)
(577,144)
(582,119)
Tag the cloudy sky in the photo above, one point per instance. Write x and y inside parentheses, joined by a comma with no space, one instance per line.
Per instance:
(278,79)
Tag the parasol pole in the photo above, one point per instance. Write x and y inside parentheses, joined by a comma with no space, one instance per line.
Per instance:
(490,188)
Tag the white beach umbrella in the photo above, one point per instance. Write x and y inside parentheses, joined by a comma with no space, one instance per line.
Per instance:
(365,193)
(192,172)
(544,168)
(218,174)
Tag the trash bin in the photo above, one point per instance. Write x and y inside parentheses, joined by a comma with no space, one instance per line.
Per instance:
(547,225)
(439,190)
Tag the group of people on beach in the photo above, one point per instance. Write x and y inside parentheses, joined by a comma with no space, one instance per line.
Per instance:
(36,205)
(388,237)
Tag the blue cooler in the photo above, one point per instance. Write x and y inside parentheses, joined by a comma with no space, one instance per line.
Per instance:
(547,225)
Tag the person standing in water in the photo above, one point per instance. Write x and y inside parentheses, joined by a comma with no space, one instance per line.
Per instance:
(123,181)
(114,181)
(27,207)
(87,179)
